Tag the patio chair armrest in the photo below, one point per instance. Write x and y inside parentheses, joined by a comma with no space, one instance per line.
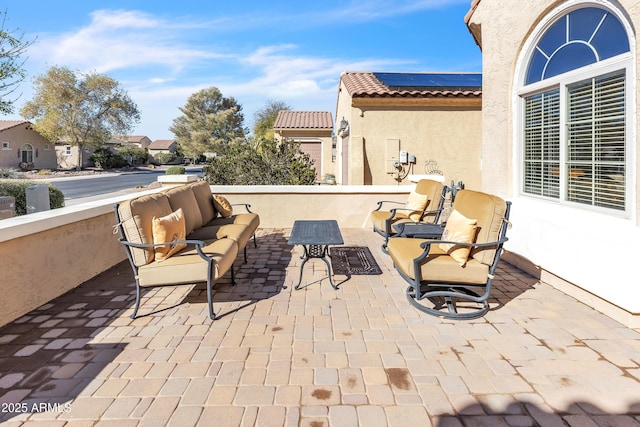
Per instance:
(381,202)
(426,246)
(246,206)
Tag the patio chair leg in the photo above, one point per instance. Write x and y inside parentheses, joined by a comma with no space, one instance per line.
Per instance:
(245,254)
(255,242)
(233,275)
(137,306)
(212,315)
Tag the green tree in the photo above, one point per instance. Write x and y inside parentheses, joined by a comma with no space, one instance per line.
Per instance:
(265,118)
(12,73)
(274,163)
(209,123)
(84,110)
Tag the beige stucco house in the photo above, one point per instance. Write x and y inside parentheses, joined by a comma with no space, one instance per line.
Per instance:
(395,126)
(21,144)
(314,131)
(560,139)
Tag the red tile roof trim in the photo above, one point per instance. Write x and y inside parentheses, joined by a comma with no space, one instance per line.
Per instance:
(366,85)
(288,119)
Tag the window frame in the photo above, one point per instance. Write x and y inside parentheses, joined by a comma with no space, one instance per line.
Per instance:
(561,82)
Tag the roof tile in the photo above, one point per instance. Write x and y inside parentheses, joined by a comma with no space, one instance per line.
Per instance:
(288,119)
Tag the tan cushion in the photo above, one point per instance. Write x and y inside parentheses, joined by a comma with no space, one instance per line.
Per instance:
(438,267)
(202,191)
(222,205)
(489,211)
(183,197)
(170,228)
(250,220)
(417,202)
(188,267)
(379,218)
(460,229)
(137,221)
(238,232)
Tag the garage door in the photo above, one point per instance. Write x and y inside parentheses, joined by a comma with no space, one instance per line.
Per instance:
(314,150)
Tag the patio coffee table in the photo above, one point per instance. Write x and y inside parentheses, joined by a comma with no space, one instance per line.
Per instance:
(315,236)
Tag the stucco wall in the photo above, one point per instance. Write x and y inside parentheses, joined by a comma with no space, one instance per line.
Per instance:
(592,249)
(451,137)
(449,132)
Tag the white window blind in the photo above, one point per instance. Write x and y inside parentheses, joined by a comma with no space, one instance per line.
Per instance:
(595,162)
(542,144)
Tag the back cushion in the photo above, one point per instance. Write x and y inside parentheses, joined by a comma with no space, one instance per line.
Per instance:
(183,197)
(137,221)
(489,211)
(202,191)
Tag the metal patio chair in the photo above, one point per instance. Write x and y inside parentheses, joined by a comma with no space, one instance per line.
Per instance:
(452,277)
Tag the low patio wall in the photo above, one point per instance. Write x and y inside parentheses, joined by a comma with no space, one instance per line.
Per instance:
(46,254)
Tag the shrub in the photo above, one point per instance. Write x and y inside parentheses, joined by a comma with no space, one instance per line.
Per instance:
(165,158)
(136,154)
(106,159)
(18,190)
(44,172)
(175,170)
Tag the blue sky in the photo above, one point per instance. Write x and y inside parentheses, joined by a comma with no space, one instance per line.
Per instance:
(253,50)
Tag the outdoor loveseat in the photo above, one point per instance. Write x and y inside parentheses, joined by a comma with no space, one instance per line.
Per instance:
(183,235)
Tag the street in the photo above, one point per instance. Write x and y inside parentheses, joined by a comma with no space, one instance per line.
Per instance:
(76,189)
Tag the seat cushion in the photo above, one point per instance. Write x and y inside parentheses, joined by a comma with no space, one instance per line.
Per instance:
(169,228)
(188,267)
(438,267)
(251,220)
(202,191)
(239,232)
(183,197)
(136,216)
(378,219)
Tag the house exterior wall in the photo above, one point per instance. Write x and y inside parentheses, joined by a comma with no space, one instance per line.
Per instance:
(44,154)
(70,161)
(447,131)
(585,247)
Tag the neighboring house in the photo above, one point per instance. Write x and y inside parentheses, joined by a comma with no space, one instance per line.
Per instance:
(67,156)
(21,144)
(163,146)
(139,141)
(314,131)
(560,139)
(433,119)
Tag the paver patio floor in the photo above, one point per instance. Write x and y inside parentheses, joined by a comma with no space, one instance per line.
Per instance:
(358,356)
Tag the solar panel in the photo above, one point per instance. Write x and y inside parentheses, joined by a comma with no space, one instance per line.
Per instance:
(422,81)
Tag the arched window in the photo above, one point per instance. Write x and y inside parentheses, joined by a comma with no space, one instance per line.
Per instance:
(575,98)
(26,153)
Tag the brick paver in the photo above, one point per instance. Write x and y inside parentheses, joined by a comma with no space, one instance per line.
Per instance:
(358,356)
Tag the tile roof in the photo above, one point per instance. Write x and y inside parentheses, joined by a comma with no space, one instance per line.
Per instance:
(367,85)
(8,124)
(288,119)
(161,144)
